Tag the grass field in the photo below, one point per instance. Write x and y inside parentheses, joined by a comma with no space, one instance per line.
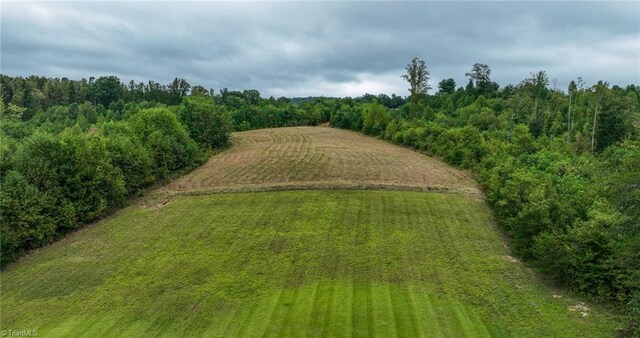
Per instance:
(315,157)
(187,261)
(290,263)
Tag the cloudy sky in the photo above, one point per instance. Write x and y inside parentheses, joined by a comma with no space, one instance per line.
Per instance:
(320,48)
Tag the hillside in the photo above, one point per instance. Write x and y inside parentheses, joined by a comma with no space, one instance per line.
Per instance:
(315,157)
(294,263)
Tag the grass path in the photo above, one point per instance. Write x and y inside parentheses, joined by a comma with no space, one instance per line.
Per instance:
(290,263)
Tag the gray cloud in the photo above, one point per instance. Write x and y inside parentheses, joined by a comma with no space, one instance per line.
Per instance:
(320,48)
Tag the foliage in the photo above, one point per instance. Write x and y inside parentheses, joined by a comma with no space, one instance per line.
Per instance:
(73,150)
(209,125)
(347,116)
(24,217)
(418,78)
(375,118)
(560,169)
(447,86)
(129,155)
(168,140)
(105,90)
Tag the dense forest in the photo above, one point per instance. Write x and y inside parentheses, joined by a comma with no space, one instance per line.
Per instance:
(560,166)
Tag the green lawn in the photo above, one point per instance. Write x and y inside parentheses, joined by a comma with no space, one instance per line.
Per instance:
(291,263)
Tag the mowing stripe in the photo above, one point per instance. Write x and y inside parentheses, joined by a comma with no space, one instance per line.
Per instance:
(443,316)
(394,313)
(271,313)
(416,310)
(124,324)
(272,327)
(369,310)
(464,320)
(241,316)
(329,312)
(319,312)
(360,310)
(479,324)
(262,315)
(381,313)
(221,321)
(340,310)
(309,329)
(62,328)
(286,326)
(106,325)
(405,318)
(300,314)
(85,325)
(426,313)
(139,329)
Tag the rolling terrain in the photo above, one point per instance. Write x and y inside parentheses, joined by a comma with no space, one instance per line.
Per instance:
(218,257)
(315,157)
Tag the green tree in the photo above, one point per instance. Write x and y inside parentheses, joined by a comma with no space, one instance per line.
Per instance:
(418,78)
(178,89)
(479,73)
(347,116)
(375,118)
(95,186)
(536,87)
(47,165)
(24,217)
(11,111)
(127,153)
(106,89)
(614,118)
(447,86)
(167,139)
(199,91)
(208,124)
(480,83)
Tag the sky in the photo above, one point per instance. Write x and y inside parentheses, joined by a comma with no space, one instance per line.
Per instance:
(320,48)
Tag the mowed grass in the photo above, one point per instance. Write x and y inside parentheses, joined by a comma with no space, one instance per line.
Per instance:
(316,157)
(291,263)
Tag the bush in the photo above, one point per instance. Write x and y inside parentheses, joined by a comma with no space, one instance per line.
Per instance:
(347,117)
(209,125)
(95,185)
(25,221)
(166,138)
(464,147)
(127,153)
(375,118)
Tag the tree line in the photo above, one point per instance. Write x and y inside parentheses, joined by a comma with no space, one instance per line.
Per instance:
(560,168)
(71,151)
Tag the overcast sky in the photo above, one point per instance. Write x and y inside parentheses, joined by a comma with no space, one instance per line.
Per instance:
(321,48)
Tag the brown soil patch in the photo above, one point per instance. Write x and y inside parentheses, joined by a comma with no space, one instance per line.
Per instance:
(317,157)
